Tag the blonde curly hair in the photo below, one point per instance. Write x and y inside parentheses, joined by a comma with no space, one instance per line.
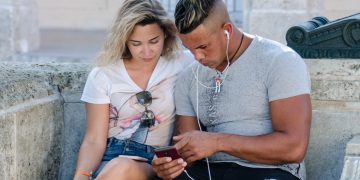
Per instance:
(132,13)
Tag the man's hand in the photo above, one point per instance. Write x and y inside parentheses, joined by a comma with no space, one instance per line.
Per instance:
(196,145)
(167,169)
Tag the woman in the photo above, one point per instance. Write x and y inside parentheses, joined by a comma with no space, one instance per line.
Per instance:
(129,95)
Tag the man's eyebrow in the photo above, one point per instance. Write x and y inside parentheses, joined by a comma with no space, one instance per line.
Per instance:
(200,46)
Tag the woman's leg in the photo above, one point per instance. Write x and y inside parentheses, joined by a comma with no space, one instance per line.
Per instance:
(125,168)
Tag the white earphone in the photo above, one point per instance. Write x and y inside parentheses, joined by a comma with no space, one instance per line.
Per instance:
(227,34)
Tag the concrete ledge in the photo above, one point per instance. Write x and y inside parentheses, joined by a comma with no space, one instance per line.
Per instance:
(20,82)
(351,168)
(39,110)
(330,132)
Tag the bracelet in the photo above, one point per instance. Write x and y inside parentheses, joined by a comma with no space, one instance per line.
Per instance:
(84,173)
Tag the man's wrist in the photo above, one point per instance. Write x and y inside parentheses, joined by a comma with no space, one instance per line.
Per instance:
(218,142)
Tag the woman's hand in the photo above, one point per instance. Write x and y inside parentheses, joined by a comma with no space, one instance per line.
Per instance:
(167,169)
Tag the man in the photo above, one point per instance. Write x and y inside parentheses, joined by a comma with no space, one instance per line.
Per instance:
(252,96)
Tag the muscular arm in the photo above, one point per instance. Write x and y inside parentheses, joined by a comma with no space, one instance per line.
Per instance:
(185,124)
(291,118)
(94,143)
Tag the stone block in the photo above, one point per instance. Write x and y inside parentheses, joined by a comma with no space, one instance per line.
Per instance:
(351,168)
(353,146)
(38,140)
(334,69)
(74,130)
(7,146)
(30,137)
(273,24)
(330,132)
(335,90)
(280,4)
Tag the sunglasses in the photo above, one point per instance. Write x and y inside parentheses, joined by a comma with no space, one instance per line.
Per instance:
(148,117)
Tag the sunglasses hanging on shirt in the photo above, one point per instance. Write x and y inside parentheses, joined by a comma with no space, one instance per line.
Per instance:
(145,99)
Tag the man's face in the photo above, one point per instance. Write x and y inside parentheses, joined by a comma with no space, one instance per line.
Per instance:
(208,47)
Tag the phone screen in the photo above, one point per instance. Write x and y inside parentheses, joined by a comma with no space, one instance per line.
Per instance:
(169,151)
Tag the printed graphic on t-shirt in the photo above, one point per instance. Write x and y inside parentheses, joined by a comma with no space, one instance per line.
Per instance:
(125,111)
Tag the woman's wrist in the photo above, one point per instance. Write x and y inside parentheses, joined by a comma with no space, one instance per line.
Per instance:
(82,174)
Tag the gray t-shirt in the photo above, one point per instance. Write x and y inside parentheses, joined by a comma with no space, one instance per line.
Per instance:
(265,72)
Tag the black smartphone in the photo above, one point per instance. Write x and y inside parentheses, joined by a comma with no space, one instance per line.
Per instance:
(168,151)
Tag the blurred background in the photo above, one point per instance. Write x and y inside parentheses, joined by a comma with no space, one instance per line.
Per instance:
(77,28)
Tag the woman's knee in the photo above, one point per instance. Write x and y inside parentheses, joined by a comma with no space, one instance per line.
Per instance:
(118,167)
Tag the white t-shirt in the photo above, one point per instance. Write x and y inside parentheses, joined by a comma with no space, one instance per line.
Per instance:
(112,85)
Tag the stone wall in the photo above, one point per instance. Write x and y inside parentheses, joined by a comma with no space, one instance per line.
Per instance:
(336,115)
(34,109)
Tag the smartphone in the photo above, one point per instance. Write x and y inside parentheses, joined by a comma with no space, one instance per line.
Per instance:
(168,151)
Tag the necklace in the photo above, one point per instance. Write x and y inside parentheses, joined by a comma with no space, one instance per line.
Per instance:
(241,41)
(218,79)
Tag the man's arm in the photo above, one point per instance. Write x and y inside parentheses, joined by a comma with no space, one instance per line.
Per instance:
(185,124)
(291,119)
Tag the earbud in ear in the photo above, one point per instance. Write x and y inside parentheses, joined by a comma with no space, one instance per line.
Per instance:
(227,34)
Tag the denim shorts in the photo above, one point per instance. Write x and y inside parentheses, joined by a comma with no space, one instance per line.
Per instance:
(116,147)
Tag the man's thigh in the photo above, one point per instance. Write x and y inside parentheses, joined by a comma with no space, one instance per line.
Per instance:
(230,171)
(199,170)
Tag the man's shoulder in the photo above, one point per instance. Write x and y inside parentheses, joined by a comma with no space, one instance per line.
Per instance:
(272,46)
(189,71)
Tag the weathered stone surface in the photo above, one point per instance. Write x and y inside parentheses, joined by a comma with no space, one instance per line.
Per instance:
(330,131)
(38,140)
(7,146)
(335,69)
(37,80)
(351,168)
(336,80)
(335,90)
(74,130)
(30,136)
(353,146)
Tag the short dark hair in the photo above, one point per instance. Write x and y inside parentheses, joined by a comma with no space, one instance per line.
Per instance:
(189,14)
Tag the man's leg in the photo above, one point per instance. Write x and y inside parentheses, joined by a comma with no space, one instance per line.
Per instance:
(233,171)
(240,172)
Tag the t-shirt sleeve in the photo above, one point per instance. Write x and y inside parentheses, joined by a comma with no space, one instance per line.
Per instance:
(183,104)
(96,88)
(288,76)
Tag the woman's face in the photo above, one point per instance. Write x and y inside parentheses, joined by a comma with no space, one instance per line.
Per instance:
(146,43)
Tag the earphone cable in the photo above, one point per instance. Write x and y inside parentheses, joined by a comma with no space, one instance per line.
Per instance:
(225,70)
(198,120)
